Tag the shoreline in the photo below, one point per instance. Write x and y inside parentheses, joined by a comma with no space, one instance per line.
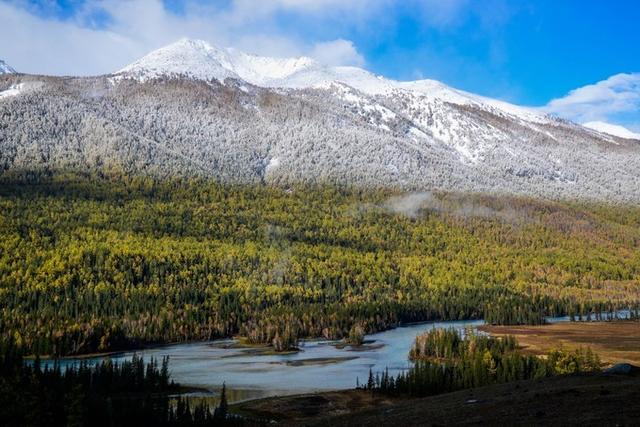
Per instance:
(238,341)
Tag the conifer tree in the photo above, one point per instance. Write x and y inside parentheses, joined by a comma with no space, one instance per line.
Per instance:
(222,410)
(371,382)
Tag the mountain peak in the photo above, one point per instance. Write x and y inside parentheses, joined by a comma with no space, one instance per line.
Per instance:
(196,43)
(192,58)
(6,68)
(199,59)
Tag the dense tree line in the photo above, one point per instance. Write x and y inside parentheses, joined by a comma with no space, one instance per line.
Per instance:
(97,263)
(131,393)
(446,360)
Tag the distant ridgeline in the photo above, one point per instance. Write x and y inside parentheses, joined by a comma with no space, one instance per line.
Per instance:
(91,263)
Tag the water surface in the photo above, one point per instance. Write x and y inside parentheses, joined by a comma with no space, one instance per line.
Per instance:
(320,365)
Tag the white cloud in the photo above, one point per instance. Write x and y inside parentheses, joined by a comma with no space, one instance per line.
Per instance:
(605,100)
(86,43)
(36,44)
(337,52)
(266,7)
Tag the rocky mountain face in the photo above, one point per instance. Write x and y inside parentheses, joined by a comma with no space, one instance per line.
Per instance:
(192,109)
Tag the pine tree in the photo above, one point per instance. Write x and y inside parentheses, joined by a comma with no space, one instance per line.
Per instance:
(222,410)
(76,404)
(370,382)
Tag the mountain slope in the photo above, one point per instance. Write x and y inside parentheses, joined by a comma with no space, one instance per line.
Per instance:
(430,107)
(5,68)
(192,109)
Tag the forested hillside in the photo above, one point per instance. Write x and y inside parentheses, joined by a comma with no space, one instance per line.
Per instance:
(95,263)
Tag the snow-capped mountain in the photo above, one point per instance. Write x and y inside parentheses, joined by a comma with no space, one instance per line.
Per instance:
(199,59)
(425,104)
(193,109)
(615,130)
(5,68)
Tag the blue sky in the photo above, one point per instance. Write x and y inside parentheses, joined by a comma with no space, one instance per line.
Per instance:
(530,52)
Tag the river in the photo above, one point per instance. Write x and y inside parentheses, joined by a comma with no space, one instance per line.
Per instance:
(319,365)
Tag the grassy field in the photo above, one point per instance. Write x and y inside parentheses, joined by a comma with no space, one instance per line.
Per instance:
(614,342)
(293,409)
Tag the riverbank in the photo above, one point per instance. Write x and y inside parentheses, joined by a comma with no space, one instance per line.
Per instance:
(319,366)
(238,342)
(577,400)
(286,409)
(614,342)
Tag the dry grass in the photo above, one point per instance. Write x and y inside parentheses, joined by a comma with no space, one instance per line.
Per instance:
(614,342)
(293,409)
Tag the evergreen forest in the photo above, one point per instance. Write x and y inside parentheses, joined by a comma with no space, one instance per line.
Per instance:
(447,360)
(132,393)
(97,263)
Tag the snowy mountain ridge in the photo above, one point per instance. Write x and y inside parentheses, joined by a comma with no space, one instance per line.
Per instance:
(192,109)
(201,60)
(6,68)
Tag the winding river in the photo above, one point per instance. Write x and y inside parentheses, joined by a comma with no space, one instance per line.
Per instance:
(320,365)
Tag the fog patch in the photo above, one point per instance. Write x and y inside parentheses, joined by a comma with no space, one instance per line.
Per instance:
(410,204)
(95,93)
(414,205)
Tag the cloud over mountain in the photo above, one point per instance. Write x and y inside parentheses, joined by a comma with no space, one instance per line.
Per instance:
(601,101)
(102,36)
